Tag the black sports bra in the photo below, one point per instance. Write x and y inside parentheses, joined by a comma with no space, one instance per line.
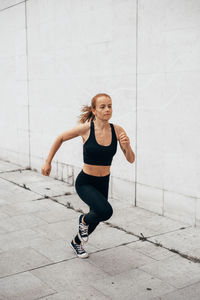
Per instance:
(96,154)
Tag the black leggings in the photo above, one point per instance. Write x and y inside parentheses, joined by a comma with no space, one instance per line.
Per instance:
(93,190)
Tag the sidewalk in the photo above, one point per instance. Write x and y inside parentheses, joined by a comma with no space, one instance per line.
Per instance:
(135,255)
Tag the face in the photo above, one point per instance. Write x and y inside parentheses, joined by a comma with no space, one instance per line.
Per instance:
(103,109)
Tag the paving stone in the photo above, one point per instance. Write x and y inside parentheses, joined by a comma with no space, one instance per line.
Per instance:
(3,216)
(17,239)
(174,270)
(79,293)
(13,193)
(18,260)
(29,207)
(132,284)
(56,214)
(56,250)
(66,231)
(23,286)
(74,201)
(75,271)
(25,176)
(3,230)
(151,225)
(150,249)
(179,240)
(51,188)
(130,226)
(20,222)
(55,231)
(125,257)
(109,237)
(8,166)
(189,292)
(2,201)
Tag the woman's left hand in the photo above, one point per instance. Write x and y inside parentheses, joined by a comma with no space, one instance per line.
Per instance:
(124,140)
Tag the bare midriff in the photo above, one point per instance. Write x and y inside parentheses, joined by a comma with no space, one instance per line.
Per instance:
(95,170)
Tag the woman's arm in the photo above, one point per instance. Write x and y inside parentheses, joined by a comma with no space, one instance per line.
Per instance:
(65,136)
(124,142)
(54,148)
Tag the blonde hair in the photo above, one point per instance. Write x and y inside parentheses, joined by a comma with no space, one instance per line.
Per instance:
(87,114)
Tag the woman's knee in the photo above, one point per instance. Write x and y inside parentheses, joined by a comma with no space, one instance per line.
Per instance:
(107,213)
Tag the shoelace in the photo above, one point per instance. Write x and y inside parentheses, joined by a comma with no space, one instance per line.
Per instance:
(84,228)
(80,248)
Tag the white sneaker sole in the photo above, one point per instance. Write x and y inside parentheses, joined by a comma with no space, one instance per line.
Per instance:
(85,255)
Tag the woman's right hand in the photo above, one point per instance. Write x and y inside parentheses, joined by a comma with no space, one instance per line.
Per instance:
(46,169)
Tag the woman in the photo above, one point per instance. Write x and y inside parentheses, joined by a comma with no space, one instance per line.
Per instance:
(99,146)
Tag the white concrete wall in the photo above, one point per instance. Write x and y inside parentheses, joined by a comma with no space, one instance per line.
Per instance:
(56,55)
(168,123)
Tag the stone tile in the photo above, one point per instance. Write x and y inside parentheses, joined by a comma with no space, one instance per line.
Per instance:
(56,250)
(179,240)
(7,166)
(74,201)
(3,230)
(132,284)
(51,188)
(2,201)
(55,231)
(65,231)
(189,292)
(25,177)
(160,224)
(17,239)
(18,260)
(3,216)
(109,237)
(19,208)
(23,286)
(61,276)
(148,223)
(13,193)
(18,194)
(130,226)
(56,213)
(79,292)
(150,249)
(21,222)
(119,259)
(174,270)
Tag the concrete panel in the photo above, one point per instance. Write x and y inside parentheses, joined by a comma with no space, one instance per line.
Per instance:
(150,198)
(26,285)
(132,284)
(186,274)
(179,207)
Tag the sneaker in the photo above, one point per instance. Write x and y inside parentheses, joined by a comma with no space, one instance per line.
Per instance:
(83,230)
(78,249)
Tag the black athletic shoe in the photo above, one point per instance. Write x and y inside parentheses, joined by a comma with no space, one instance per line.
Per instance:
(78,249)
(83,230)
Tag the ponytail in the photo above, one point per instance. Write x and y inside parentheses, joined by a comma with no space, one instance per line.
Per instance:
(86,114)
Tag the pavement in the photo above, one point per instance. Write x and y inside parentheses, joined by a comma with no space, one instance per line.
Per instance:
(135,255)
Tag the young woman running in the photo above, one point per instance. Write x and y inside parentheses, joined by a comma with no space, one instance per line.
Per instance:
(99,146)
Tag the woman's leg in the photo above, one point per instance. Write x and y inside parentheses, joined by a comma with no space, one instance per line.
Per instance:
(100,208)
